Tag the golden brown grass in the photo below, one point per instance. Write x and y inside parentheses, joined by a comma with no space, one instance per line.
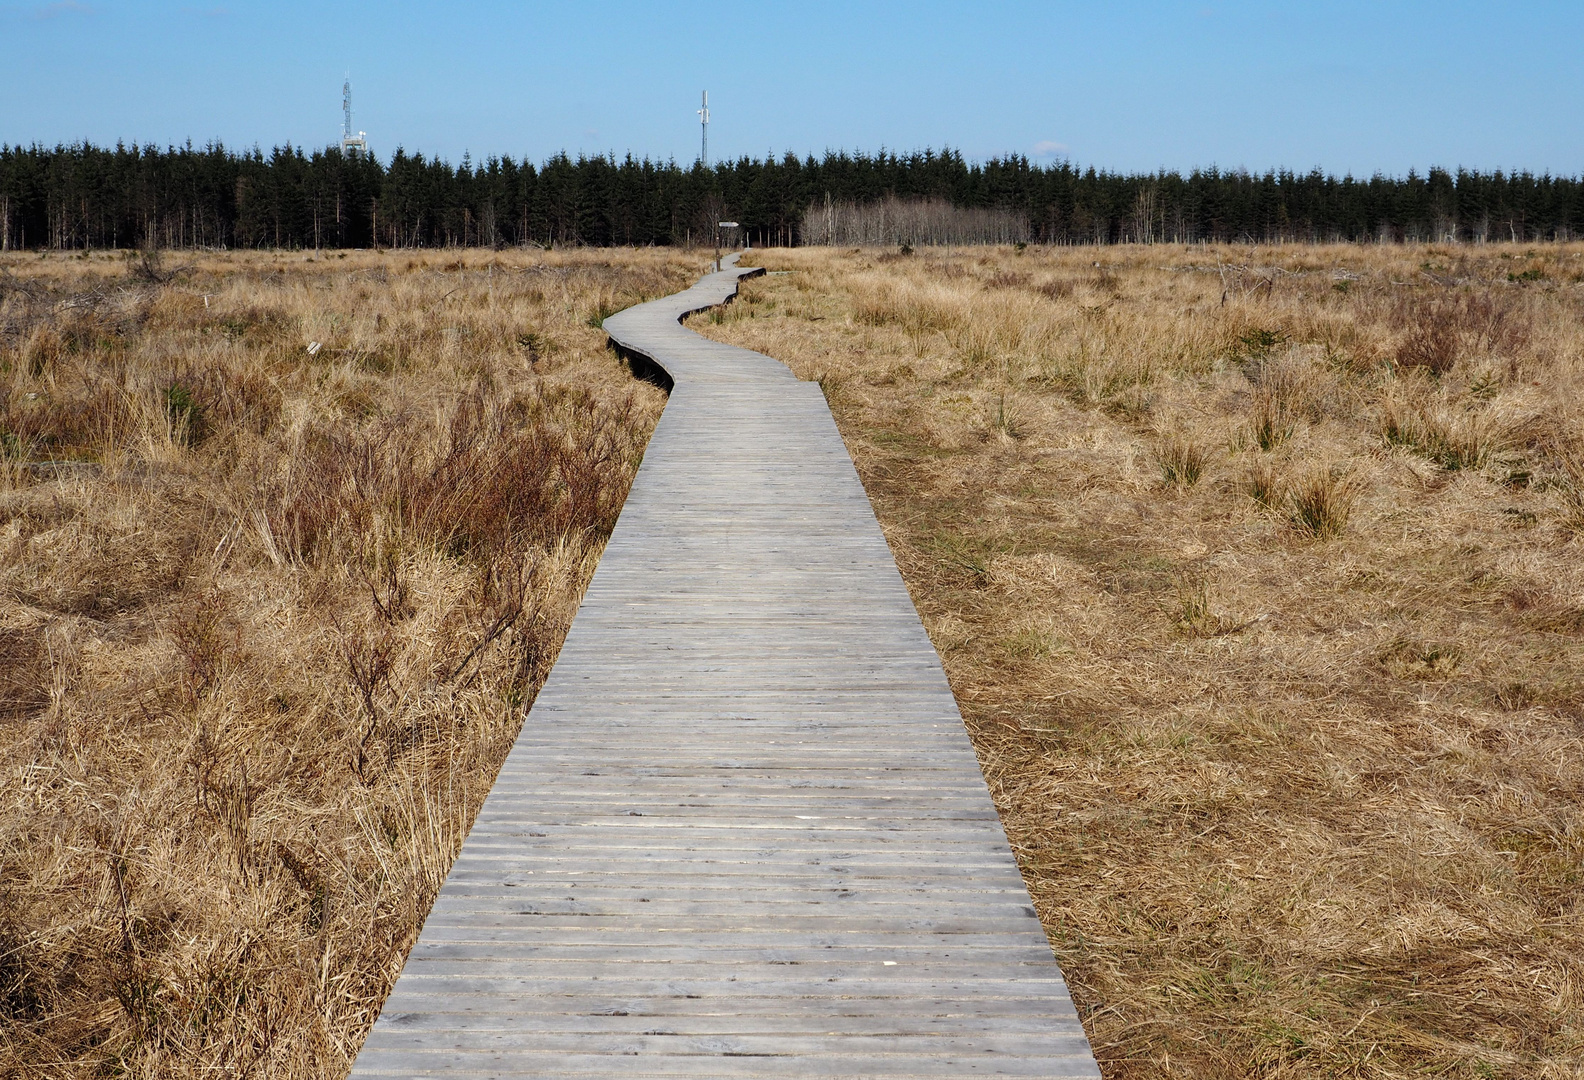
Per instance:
(269,619)
(1258,576)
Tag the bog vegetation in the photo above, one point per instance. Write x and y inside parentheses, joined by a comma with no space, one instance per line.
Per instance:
(1257,573)
(286,546)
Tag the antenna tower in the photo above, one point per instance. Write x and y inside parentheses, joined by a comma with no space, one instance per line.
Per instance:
(351,145)
(704,123)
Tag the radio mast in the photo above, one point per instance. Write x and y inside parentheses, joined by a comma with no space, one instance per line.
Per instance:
(351,145)
(704,123)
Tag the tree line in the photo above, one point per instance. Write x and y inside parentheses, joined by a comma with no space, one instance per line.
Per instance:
(84,196)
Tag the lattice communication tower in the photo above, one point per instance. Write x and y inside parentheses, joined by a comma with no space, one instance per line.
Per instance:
(351,145)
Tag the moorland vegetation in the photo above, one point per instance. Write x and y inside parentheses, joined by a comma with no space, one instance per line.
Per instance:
(287,545)
(1257,574)
(1255,571)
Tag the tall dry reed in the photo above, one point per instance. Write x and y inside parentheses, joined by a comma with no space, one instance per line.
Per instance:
(287,545)
(1293,756)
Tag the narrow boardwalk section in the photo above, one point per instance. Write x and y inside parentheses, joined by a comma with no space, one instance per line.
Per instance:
(743,833)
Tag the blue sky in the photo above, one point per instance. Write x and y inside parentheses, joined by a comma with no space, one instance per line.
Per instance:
(1347,86)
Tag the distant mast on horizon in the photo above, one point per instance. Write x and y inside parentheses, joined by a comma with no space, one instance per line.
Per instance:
(704,123)
(353,146)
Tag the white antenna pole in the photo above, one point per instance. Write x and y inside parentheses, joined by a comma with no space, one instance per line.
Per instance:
(704,122)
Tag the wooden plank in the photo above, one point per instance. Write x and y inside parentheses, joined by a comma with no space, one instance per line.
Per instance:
(742,833)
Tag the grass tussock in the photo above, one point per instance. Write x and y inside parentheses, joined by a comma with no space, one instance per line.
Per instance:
(287,545)
(1321,504)
(1181,462)
(1293,761)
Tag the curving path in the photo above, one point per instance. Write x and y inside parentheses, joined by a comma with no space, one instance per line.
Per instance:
(742,833)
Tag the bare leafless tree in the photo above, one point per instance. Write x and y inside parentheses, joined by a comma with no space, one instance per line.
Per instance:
(893,222)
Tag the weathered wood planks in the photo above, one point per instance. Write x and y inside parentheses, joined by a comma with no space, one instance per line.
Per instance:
(742,833)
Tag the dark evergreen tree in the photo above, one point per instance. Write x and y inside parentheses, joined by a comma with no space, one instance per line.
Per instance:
(87,196)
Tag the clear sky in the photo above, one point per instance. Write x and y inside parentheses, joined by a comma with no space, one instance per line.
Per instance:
(1346,85)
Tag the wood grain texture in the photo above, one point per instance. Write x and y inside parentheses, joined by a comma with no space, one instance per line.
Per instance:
(743,832)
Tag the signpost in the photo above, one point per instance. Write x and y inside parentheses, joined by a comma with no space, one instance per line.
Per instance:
(719,225)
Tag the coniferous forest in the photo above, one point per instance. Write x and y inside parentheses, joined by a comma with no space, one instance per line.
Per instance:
(91,197)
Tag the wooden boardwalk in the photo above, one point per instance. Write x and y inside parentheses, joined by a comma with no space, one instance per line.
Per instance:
(742,833)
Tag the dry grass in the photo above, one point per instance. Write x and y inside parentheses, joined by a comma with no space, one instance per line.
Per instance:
(1293,756)
(269,618)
